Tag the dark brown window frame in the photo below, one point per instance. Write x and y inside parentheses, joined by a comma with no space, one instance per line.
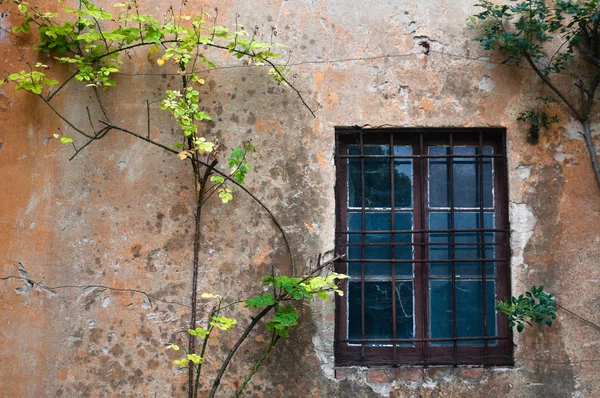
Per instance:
(422,352)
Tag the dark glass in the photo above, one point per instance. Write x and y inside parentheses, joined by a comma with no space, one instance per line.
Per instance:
(466,178)
(377,177)
(380,222)
(469,311)
(378,310)
(462,220)
(376,174)
(403,177)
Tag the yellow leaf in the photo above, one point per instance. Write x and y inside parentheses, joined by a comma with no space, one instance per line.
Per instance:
(160,62)
(182,155)
(210,296)
(55,135)
(153,50)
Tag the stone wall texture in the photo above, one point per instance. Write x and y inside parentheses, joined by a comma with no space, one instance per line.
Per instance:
(121,213)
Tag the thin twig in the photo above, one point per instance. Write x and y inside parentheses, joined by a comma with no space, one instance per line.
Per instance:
(148,116)
(53,289)
(579,317)
(61,86)
(237,345)
(551,85)
(101,104)
(257,365)
(97,136)
(65,119)
(233,181)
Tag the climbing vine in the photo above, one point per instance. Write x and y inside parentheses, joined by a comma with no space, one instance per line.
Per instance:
(94,43)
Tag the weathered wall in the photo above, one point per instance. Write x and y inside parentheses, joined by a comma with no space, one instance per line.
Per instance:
(120,214)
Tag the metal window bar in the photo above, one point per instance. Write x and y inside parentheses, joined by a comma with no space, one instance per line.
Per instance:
(450,169)
(419,156)
(442,339)
(393,248)
(424,288)
(450,260)
(363,240)
(426,231)
(426,244)
(483,248)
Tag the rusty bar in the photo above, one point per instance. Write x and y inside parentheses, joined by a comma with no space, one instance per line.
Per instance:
(363,239)
(393,247)
(452,247)
(483,248)
(419,156)
(424,288)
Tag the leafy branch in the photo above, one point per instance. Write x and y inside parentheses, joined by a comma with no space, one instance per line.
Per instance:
(526,30)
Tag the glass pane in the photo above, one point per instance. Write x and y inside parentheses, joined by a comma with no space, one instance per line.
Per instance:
(403,177)
(472,251)
(469,311)
(376,174)
(439,192)
(466,178)
(404,311)
(378,310)
(380,222)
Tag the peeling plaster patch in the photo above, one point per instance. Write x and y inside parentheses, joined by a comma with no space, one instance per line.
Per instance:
(72,338)
(524,172)
(106,302)
(92,324)
(574,130)
(404,93)
(32,225)
(382,389)
(32,204)
(486,83)
(561,156)
(522,224)
(423,44)
(326,359)
(27,284)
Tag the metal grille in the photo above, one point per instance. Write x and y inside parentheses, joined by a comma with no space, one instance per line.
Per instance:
(422,217)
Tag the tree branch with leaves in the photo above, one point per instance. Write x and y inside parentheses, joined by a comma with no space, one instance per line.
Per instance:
(528,30)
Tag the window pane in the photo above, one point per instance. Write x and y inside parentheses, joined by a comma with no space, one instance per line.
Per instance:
(466,178)
(403,177)
(380,222)
(377,177)
(404,311)
(439,192)
(469,310)
(472,251)
(378,310)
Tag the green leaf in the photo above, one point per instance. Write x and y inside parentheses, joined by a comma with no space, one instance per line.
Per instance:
(65,140)
(218,179)
(222,322)
(260,301)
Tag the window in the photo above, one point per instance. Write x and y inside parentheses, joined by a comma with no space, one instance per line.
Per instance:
(422,217)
